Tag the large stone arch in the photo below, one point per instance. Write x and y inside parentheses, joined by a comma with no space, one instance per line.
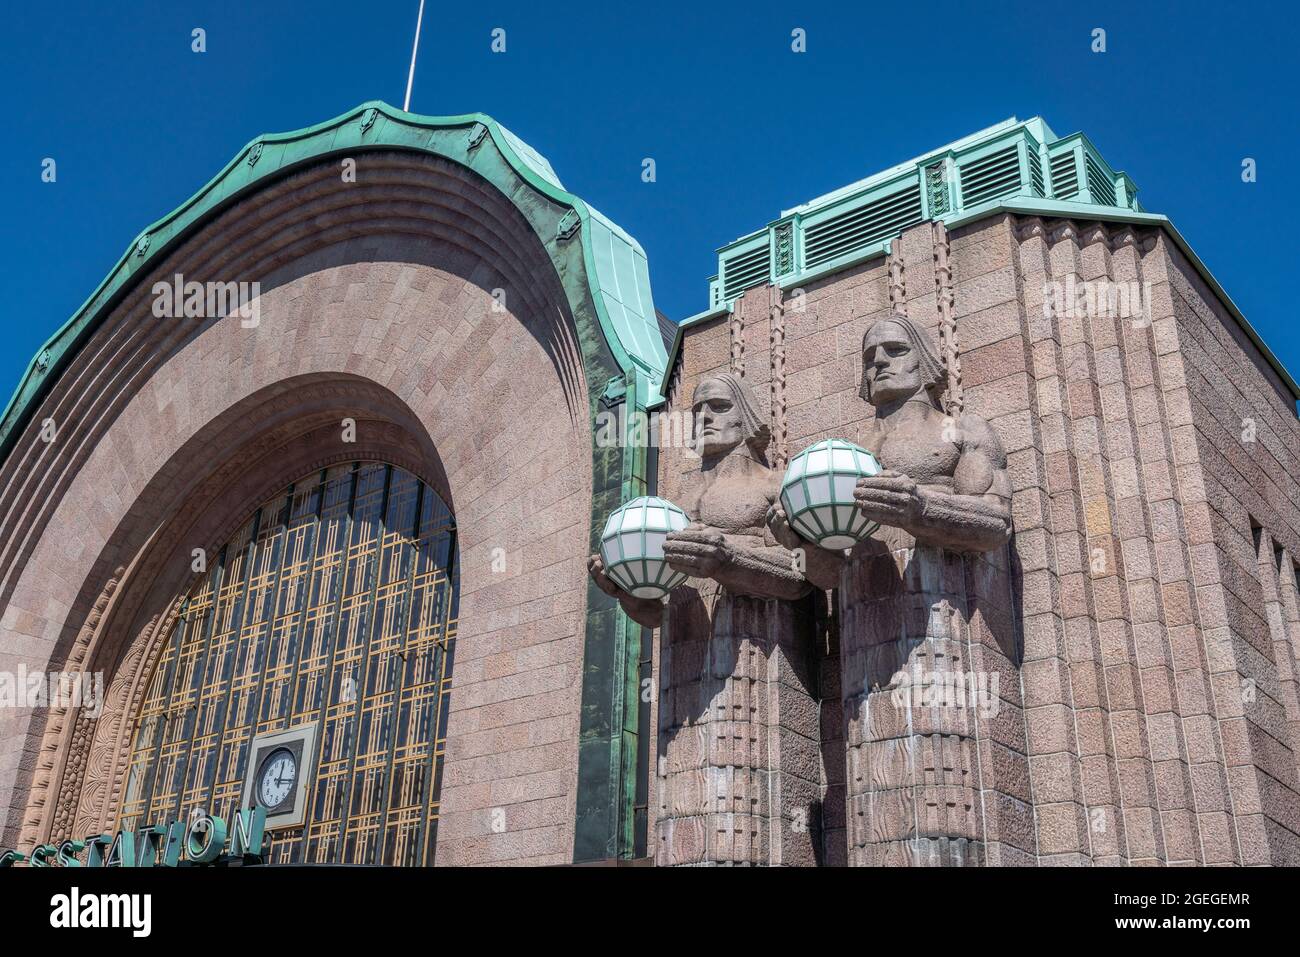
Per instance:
(450,301)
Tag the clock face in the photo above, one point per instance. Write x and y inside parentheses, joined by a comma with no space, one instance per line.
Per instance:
(276,780)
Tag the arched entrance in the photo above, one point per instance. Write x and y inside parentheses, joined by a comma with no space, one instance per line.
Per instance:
(452,313)
(309,671)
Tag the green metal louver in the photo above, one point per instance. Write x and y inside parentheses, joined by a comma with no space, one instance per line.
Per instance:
(1036,176)
(745,269)
(1011,162)
(991,177)
(1065,176)
(1100,185)
(861,227)
(1016,167)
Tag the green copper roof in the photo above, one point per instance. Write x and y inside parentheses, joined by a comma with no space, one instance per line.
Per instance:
(1014,166)
(616,264)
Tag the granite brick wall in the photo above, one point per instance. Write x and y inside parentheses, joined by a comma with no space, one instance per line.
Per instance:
(1150,695)
(376,303)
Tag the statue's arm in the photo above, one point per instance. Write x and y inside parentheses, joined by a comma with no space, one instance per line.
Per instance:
(763,572)
(736,562)
(976,515)
(960,522)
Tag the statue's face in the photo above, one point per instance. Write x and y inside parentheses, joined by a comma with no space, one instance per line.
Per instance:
(891,366)
(719,426)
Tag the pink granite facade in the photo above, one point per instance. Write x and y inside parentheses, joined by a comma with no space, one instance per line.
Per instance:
(1137,640)
(1142,625)
(377,306)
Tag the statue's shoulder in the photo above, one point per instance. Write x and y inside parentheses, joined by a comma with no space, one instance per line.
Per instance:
(977,433)
(871,435)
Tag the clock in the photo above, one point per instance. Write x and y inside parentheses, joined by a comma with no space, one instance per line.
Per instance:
(276,779)
(279,772)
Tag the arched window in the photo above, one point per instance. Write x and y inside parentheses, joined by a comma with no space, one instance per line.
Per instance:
(310,671)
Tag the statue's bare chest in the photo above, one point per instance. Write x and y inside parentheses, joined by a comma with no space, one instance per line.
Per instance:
(731,504)
(919,450)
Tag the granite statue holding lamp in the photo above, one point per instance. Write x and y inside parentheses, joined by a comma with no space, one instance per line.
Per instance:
(728,542)
(944,480)
(735,774)
(924,604)
(908,529)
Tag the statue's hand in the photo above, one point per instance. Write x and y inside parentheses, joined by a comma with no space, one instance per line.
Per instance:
(889,498)
(697,550)
(644,611)
(778,523)
(596,569)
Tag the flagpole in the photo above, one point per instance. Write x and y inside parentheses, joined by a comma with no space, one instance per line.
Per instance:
(410,77)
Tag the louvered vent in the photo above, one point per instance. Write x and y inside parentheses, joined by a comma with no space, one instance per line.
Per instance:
(743,270)
(859,228)
(1099,184)
(958,181)
(1065,176)
(995,175)
(1036,175)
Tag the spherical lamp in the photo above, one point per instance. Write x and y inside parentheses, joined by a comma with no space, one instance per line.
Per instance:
(632,546)
(817,493)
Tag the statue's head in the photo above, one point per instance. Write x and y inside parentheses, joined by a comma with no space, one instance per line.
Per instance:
(725,416)
(898,362)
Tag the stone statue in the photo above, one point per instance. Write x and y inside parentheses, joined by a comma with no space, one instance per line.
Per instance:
(924,612)
(944,479)
(738,766)
(727,541)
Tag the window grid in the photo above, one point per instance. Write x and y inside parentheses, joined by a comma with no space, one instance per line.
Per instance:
(335,602)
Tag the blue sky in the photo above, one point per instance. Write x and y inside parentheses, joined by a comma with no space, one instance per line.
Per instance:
(738,125)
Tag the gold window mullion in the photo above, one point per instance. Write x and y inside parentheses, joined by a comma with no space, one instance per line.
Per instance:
(440,650)
(362,599)
(412,559)
(370,624)
(230,663)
